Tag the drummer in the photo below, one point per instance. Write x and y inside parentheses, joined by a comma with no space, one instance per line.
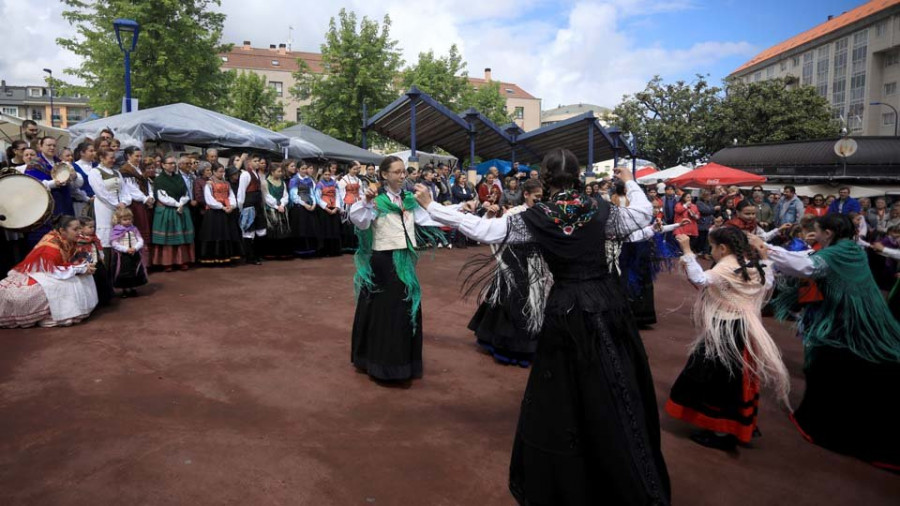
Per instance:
(61,190)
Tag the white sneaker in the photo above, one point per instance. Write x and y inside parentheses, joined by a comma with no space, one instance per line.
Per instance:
(449,246)
(440,245)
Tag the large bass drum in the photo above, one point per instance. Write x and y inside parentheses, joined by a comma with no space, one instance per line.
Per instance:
(24,202)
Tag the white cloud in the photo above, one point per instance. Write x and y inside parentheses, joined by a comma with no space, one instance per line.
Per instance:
(563,51)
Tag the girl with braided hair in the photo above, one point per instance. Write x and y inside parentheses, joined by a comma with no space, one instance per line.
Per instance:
(718,390)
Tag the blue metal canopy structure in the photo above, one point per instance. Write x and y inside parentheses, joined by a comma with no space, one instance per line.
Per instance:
(418,121)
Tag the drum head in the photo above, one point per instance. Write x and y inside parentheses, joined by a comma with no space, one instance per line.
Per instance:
(61,175)
(24,202)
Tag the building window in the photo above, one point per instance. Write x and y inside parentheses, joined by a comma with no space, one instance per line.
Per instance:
(280,117)
(889,119)
(520,113)
(784,65)
(275,63)
(890,89)
(299,116)
(11,111)
(855,117)
(892,58)
(509,90)
(837,112)
(770,72)
(807,78)
(795,62)
(37,115)
(824,54)
(881,29)
(35,92)
(757,76)
(225,59)
(279,88)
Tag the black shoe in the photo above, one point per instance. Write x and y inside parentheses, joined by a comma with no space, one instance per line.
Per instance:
(124,294)
(757,432)
(710,439)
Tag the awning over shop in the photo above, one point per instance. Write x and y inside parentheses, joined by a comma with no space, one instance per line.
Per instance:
(876,158)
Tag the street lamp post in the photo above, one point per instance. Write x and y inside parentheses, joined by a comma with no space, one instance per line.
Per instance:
(127,36)
(51,95)
(896,116)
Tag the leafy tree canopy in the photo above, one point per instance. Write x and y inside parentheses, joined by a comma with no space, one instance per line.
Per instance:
(251,99)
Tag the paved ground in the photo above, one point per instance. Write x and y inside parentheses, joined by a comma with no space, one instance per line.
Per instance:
(233,386)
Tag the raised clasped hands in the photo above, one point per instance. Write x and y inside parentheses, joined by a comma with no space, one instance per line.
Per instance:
(423,195)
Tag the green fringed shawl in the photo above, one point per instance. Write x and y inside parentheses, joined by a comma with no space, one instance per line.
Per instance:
(404,259)
(853,314)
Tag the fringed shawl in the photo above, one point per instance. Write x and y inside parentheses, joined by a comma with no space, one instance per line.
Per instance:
(853,314)
(51,252)
(727,299)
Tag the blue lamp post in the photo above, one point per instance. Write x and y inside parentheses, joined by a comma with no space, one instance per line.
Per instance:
(127,36)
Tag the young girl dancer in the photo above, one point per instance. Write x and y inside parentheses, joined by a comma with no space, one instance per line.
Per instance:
(387,328)
(277,241)
(851,343)
(126,265)
(348,194)
(718,390)
(329,215)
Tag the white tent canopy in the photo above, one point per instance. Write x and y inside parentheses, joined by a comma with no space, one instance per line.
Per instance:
(665,175)
(11,130)
(426,158)
(184,124)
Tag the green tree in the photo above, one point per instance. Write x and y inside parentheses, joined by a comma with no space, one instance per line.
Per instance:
(772,111)
(488,100)
(251,99)
(176,59)
(358,66)
(672,122)
(444,79)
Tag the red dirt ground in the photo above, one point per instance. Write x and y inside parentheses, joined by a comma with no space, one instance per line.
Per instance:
(233,386)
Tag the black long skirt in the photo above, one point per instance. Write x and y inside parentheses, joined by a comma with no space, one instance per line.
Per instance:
(220,238)
(101,281)
(709,396)
(588,431)
(637,279)
(497,332)
(849,406)
(330,230)
(349,241)
(305,231)
(384,343)
(278,241)
(127,271)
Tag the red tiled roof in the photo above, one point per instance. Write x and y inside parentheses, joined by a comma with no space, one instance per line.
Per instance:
(261,59)
(516,91)
(836,23)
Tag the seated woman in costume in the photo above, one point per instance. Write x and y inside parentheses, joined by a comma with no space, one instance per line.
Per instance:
(46,288)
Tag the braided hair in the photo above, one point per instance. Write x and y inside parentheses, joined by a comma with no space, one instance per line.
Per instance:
(747,256)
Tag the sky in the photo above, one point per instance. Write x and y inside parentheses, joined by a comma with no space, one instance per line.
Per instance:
(562,51)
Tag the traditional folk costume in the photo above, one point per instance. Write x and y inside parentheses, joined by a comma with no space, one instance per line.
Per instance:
(253,211)
(588,430)
(42,169)
(84,192)
(173,232)
(718,390)
(46,289)
(752,227)
(220,236)
(500,323)
(278,242)
(304,223)
(90,250)
(329,224)
(387,328)
(141,189)
(110,190)
(127,269)
(643,255)
(852,354)
(349,192)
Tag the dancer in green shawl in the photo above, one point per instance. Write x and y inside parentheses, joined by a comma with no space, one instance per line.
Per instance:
(387,328)
(173,230)
(852,347)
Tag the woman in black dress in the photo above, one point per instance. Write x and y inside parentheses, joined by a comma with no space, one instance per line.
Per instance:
(588,430)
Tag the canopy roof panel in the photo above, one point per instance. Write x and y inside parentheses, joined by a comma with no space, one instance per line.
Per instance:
(331,148)
(184,124)
(436,125)
(571,134)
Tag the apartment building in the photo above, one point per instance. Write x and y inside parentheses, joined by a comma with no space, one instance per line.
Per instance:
(852,59)
(33,102)
(278,64)
(564,112)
